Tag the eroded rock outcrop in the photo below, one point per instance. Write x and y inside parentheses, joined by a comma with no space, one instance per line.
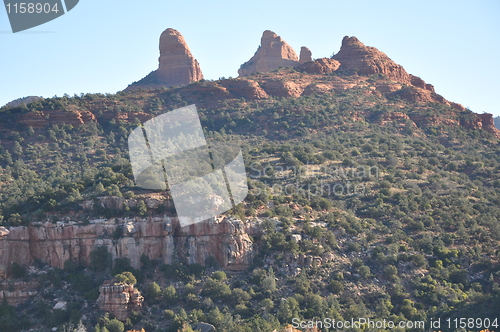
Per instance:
(161,239)
(320,66)
(226,240)
(366,60)
(119,299)
(176,67)
(73,117)
(272,53)
(247,89)
(482,121)
(305,55)
(281,88)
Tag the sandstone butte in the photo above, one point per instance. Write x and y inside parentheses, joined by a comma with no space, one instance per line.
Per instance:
(272,53)
(176,64)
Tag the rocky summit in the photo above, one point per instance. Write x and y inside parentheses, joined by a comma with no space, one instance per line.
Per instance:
(365,60)
(177,66)
(272,53)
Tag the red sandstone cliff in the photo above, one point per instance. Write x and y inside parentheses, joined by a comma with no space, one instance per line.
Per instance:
(225,240)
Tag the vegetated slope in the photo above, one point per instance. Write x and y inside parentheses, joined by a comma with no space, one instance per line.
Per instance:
(372,204)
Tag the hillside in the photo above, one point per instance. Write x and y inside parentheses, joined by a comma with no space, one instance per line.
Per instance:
(370,196)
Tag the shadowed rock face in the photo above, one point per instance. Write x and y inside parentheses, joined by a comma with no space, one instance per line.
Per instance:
(177,66)
(366,60)
(272,53)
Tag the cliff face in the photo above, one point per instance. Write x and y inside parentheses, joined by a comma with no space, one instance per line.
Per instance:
(160,239)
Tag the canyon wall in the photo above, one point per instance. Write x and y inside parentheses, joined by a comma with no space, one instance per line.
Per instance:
(161,239)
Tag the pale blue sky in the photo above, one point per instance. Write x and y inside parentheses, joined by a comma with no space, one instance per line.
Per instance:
(102,46)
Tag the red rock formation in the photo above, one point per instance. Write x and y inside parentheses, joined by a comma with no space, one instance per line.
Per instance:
(247,89)
(305,55)
(119,299)
(320,66)
(43,119)
(203,91)
(388,87)
(280,88)
(366,60)
(317,89)
(177,66)
(418,95)
(487,123)
(457,106)
(420,83)
(226,240)
(53,244)
(272,53)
